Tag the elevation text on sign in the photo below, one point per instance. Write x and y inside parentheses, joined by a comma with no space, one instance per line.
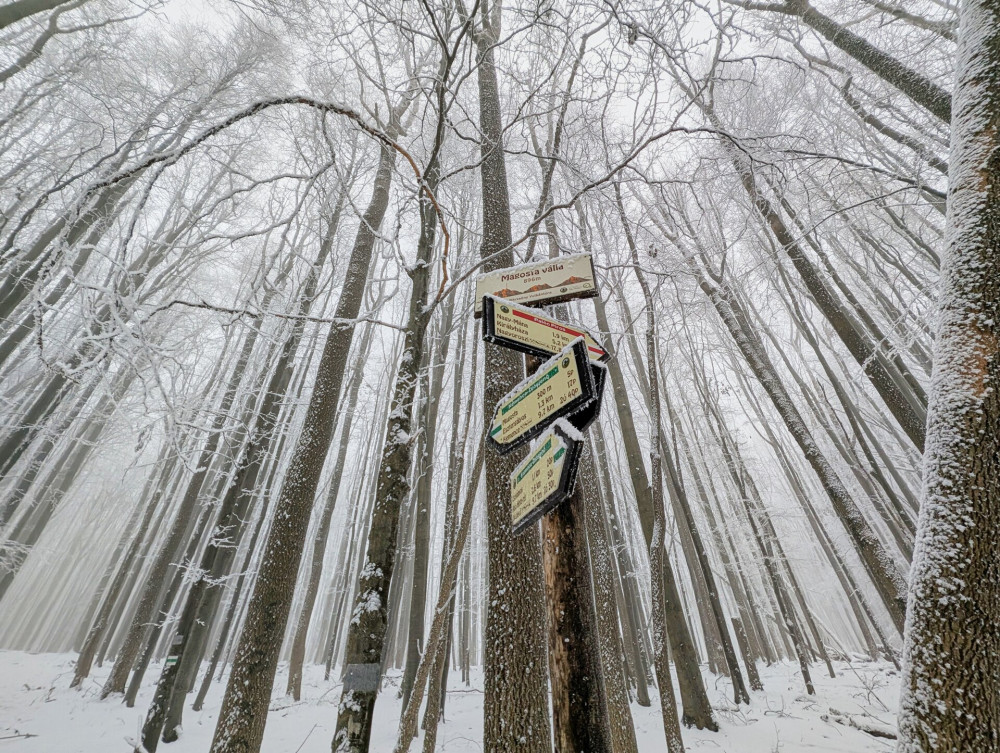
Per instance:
(550,281)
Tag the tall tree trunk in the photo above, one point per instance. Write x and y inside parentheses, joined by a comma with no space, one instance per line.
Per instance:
(438,682)
(446,594)
(248,693)
(298,653)
(430,380)
(516,679)
(696,709)
(622,728)
(365,653)
(634,630)
(951,677)
(919,88)
(579,701)
(884,574)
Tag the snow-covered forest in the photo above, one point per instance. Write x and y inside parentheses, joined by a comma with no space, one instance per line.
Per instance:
(250,497)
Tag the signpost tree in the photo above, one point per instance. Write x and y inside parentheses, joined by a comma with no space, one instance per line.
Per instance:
(559,399)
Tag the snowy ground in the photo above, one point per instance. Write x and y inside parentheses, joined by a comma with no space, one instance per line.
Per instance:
(40,714)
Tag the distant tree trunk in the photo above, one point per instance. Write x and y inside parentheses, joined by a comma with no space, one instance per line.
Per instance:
(951,677)
(696,708)
(166,710)
(742,597)
(298,653)
(622,728)
(248,693)
(177,533)
(102,618)
(430,380)
(780,594)
(63,474)
(446,594)
(700,561)
(43,450)
(630,607)
(699,558)
(438,682)
(881,568)
(920,89)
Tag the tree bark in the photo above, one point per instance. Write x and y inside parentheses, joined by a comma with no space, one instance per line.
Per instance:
(621,726)
(298,654)
(579,704)
(516,718)
(951,677)
(248,693)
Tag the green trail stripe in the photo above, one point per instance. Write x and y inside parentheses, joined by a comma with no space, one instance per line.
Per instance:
(531,388)
(534,460)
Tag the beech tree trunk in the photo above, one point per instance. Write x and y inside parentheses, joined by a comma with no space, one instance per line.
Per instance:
(516,717)
(248,693)
(951,677)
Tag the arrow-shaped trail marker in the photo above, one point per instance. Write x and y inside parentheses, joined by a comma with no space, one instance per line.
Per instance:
(529,331)
(562,386)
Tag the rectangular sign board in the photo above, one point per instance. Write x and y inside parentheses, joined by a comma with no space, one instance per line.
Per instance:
(562,386)
(524,329)
(551,281)
(544,478)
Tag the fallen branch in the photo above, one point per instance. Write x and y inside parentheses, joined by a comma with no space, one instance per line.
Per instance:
(18,735)
(862,722)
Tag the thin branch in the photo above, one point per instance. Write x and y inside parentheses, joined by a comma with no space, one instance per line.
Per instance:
(203,304)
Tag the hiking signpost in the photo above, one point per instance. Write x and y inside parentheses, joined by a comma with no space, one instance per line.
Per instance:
(545,477)
(524,329)
(553,405)
(561,387)
(552,281)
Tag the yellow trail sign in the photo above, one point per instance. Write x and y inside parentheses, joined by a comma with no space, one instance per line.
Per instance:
(551,281)
(563,385)
(545,478)
(524,329)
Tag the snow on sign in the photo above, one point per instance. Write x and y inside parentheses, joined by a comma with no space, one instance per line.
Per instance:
(505,323)
(549,281)
(546,477)
(562,386)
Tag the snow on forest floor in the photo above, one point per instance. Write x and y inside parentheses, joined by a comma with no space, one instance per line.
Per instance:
(35,700)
